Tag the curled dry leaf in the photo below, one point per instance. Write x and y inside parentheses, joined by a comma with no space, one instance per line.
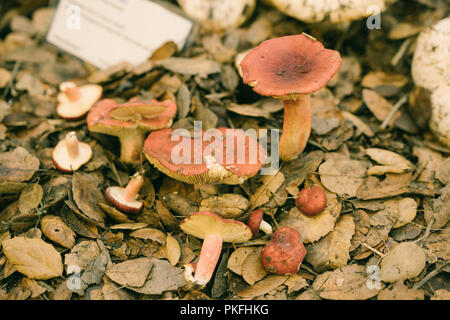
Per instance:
(398,264)
(132,273)
(87,196)
(173,251)
(166,217)
(18,165)
(129,226)
(313,228)
(343,177)
(228,205)
(391,162)
(270,184)
(33,257)
(114,214)
(346,283)
(30,198)
(54,228)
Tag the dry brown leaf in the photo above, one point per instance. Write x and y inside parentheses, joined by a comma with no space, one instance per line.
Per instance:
(190,66)
(248,110)
(87,196)
(173,251)
(166,217)
(270,184)
(54,228)
(252,268)
(439,209)
(237,258)
(343,177)
(405,209)
(400,292)
(150,234)
(379,106)
(263,286)
(441,294)
(115,214)
(163,277)
(295,283)
(30,198)
(385,84)
(129,226)
(398,265)
(437,246)
(132,273)
(391,162)
(392,185)
(35,289)
(18,165)
(346,283)
(33,257)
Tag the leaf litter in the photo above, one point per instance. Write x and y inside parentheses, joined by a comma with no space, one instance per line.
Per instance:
(387,183)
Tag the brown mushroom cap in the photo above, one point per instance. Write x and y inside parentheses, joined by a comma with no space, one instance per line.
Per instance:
(158,149)
(71,110)
(285,252)
(203,223)
(290,65)
(62,159)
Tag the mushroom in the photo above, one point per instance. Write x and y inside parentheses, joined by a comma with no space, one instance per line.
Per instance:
(70,154)
(214,230)
(256,223)
(290,68)
(335,11)
(218,15)
(74,102)
(130,122)
(285,252)
(430,70)
(311,201)
(125,199)
(161,147)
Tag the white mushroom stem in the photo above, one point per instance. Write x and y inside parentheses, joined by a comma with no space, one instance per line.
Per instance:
(72,144)
(133,187)
(265,227)
(71,90)
(209,255)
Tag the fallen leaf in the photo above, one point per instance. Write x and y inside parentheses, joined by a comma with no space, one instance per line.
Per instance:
(400,292)
(252,268)
(132,273)
(379,106)
(150,234)
(33,257)
(87,196)
(238,257)
(343,177)
(190,66)
(346,283)
(54,228)
(270,184)
(398,265)
(30,198)
(263,286)
(129,226)
(18,165)
(391,162)
(227,205)
(173,251)
(163,277)
(248,110)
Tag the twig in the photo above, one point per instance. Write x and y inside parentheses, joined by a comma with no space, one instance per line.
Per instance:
(381,254)
(432,274)
(394,110)
(427,232)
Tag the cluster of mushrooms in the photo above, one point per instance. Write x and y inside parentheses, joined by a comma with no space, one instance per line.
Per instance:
(288,68)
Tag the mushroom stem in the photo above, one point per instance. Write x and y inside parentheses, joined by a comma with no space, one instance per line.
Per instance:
(296,127)
(72,144)
(209,255)
(71,90)
(131,147)
(133,187)
(265,227)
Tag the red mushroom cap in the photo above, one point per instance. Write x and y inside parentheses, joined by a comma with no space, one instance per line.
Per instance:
(254,220)
(311,201)
(285,252)
(290,65)
(159,146)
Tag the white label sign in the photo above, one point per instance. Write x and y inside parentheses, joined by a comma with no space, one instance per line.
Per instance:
(106,32)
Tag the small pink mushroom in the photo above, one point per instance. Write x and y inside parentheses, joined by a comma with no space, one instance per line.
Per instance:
(214,230)
(74,102)
(70,154)
(125,199)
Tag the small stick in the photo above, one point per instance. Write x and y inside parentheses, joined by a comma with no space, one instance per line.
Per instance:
(394,110)
(381,254)
(432,274)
